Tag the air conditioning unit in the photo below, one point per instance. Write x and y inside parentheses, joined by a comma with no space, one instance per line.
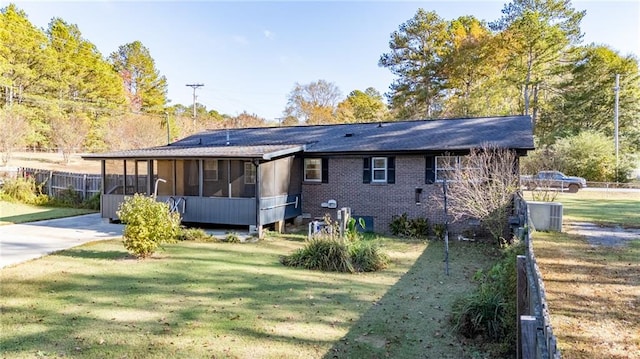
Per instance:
(545,216)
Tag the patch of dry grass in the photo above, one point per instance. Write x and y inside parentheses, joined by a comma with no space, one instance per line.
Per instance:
(53,161)
(593,294)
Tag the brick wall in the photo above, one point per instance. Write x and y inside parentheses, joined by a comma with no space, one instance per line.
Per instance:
(380,201)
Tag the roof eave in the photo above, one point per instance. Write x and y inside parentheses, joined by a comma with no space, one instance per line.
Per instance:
(284,152)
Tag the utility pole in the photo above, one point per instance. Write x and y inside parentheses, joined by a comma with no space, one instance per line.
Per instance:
(166,117)
(615,121)
(194,87)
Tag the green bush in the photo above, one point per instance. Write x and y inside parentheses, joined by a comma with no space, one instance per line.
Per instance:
(148,224)
(420,227)
(399,225)
(482,312)
(232,237)
(24,190)
(321,254)
(334,255)
(195,234)
(402,226)
(491,310)
(68,197)
(588,154)
(92,202)
(439,229)
(367,256)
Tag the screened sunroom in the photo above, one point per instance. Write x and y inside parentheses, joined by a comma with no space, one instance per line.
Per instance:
(259,187)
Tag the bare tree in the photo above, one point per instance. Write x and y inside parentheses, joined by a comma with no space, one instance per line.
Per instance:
(69,132)
(482,186)
(14,128)
(135,131)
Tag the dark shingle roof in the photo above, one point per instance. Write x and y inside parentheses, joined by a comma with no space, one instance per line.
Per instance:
(514,132)
(258,151)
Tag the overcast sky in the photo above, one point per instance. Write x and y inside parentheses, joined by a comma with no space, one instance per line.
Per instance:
(249,55)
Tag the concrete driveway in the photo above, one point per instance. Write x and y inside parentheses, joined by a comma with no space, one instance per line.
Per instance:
(22,242)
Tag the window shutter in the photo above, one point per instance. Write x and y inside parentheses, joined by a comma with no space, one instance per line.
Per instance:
(391,170)
(430,170)
(366,170)
(325,170)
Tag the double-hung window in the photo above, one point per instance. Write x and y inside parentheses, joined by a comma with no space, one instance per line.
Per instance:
(447,165)
(379,170)
(313,170)
(316,170)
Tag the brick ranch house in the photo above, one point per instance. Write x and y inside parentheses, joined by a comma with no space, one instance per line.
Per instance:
(260,176)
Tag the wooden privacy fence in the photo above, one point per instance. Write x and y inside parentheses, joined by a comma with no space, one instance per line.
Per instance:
(535,334)
(54,182)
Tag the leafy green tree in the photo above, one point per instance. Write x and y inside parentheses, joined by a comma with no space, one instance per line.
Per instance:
(416,54)
(145,88)
(587,97)
(314,103)
(83,83)
(79,72)
(23,55)
(543,158)
(345,113)
(359,106)
(472,65)
(537,34)
(591,155)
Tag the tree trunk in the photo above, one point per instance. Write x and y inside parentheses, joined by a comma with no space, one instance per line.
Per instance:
(527,82)
(534,115)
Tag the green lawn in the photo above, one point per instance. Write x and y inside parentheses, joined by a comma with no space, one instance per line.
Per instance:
(19,213)
(222,300)
(605,207)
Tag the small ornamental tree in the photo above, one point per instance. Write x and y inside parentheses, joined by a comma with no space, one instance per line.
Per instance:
(482,187)
(148,224)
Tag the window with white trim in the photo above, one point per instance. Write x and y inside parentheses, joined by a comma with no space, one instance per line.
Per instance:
(249,173)
(379,169)
(446,165)
(313,170)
